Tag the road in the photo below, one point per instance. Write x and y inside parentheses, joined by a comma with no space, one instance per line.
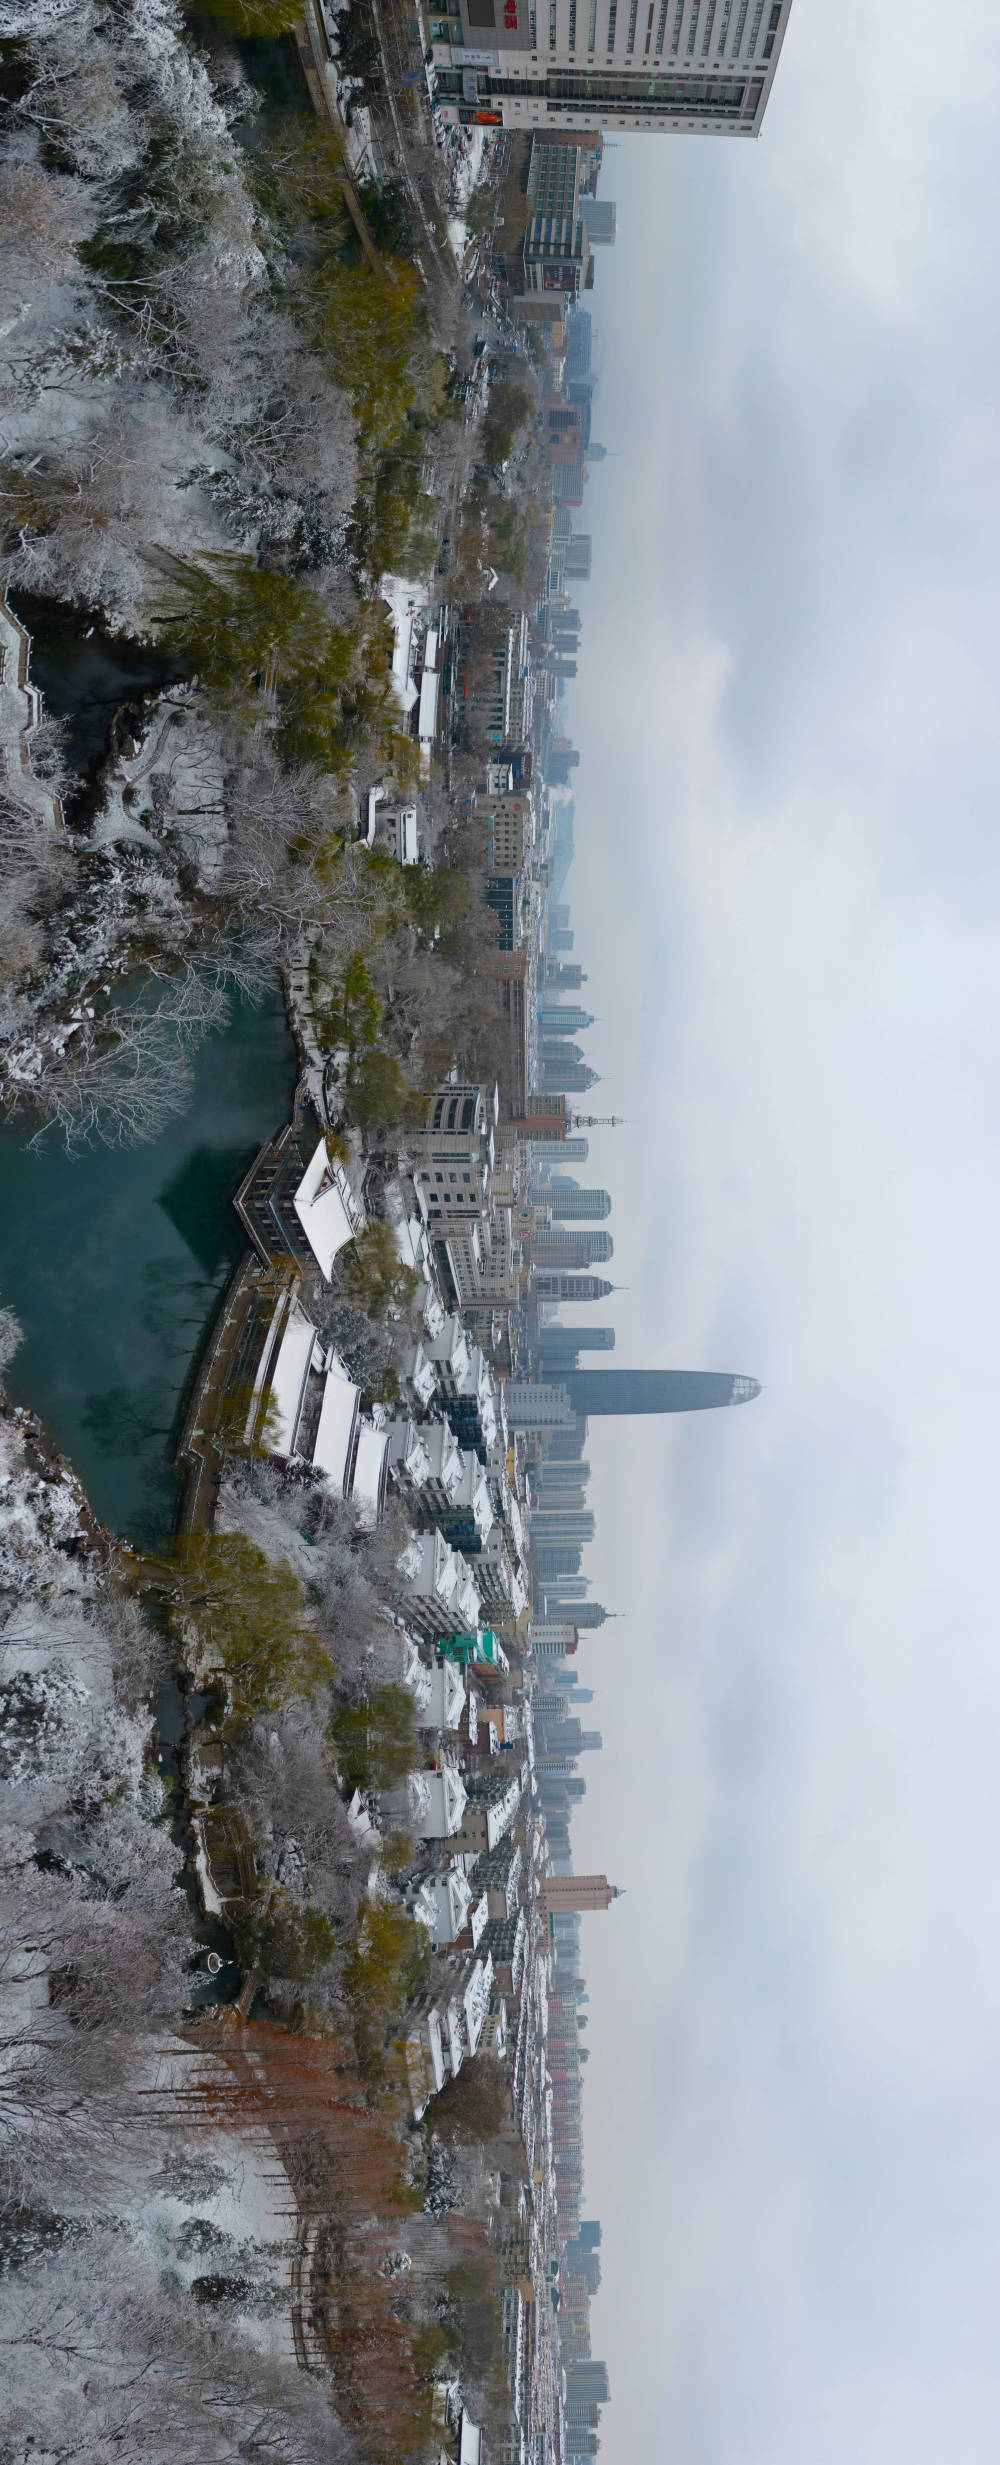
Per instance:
(393,71)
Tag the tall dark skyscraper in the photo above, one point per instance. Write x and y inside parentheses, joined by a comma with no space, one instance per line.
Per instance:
(597,1393)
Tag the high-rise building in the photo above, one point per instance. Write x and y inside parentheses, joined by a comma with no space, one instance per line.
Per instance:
(535,1407)
(555,1020)
(558,1339)
(553,1250)
(581,1613)
(577,1891)
(603,1393)
(551,1286)
(587,2383)
(569,1078)
(552,1636)
(568,1206)
(572,1150)
(541,1118)
(702,65)
(599,214)
(557,1522)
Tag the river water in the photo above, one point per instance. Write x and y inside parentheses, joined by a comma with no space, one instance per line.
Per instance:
(114,1260)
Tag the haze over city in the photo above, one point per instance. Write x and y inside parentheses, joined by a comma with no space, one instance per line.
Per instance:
(785,703)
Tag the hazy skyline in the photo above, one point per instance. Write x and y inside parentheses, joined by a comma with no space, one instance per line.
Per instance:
(786,895)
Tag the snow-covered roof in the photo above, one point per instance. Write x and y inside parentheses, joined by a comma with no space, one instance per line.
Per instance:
(444,1702)
(337,1423)
(288,1379)
(427,720)
(319,1203)
(435,2047)
(370,1468)
(408,1451)
(407,837)
(470,2446)
(476,1999)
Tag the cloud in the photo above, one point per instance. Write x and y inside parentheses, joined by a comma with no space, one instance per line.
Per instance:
(786,896)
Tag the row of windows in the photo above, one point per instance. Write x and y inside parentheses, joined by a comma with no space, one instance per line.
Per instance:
(468,1105)
(718,98)
(696,23)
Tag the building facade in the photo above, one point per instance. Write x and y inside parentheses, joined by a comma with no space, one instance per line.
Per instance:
(704,66)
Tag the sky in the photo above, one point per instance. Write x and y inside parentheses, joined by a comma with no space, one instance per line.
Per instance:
(787,895)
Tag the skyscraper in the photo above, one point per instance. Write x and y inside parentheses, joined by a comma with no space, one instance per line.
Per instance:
(557,1340)
(566,1250)
(568,1206)
(603,1393)
(577,1891)
(551,1286)
(554,1020)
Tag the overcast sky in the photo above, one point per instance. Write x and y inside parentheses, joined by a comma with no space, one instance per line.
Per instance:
(787,893)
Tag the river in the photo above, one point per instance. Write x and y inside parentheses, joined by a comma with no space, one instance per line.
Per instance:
(114,1260)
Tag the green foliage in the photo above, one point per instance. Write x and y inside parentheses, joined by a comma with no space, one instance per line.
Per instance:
(376,1743)
(378,1091)
(351,1012)
(431,2346)
(438,900)
(285,1940)
(248,1424)
(249,1620)
(299,167)
(255,17)
(508,409)
(381,1974)
(241,630)
(387,213)
(364,320)
(374,1274)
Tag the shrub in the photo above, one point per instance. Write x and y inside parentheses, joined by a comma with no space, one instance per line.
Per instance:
(286,1941)
(248,1616)
(378,1090)
(374,1273)
(376,1742)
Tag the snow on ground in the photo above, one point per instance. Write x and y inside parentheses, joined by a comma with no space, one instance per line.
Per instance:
(469,168)
(174,778)
(408,603)
(42,1519)
(20,711)
(216,2201)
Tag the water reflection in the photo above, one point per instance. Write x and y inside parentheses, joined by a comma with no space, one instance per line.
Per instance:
(114,1260)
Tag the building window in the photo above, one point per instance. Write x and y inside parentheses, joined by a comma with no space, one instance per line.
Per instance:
(633,14)
(740,23)
(724,27)
(709,23)
(693,27)
(757,15)
(676,35)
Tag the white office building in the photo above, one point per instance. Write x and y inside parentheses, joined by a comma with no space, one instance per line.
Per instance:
(585,65)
